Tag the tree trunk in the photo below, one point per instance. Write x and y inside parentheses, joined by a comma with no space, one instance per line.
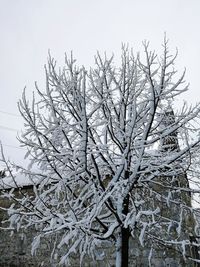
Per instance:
(125,247)
(122,245)
(125,234)
(122,248)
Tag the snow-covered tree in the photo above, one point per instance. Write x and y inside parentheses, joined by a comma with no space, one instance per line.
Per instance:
(111,158)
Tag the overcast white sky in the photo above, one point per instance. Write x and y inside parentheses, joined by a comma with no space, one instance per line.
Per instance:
(29,28)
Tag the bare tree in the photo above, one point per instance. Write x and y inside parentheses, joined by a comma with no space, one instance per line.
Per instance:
(114,160)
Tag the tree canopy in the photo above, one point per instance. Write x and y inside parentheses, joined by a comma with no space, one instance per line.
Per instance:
(113,158)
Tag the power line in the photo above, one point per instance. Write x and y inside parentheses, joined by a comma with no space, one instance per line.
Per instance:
(9,113)
(8,129)
(13,146)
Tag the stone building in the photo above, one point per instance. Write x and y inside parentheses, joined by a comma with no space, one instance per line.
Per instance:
(15,246)
(15,251)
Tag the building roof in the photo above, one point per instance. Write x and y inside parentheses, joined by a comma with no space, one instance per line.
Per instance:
(18,180)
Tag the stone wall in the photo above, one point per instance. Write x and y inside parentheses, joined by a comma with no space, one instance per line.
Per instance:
(15,251)
(15,246)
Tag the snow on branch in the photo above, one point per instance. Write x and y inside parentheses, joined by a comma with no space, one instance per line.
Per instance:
(111,155)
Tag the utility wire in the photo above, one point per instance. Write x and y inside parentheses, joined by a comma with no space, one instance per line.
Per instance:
(13,146)
(9,113)
(8,129)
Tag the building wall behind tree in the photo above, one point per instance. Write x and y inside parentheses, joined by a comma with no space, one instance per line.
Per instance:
(15,251)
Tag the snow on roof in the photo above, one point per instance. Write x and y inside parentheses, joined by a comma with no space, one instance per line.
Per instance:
(17,181)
